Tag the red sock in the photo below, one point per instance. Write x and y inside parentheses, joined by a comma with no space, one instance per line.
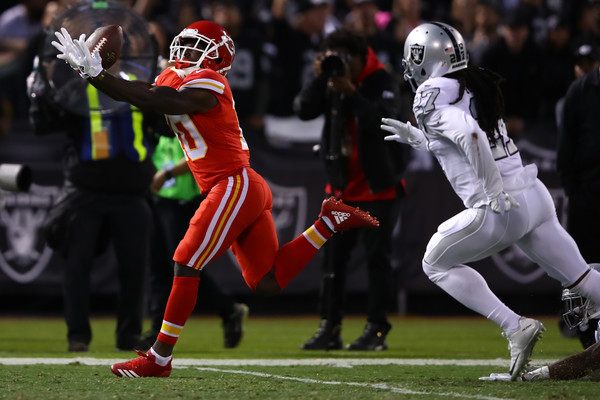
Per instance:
(293,256)
(180,305)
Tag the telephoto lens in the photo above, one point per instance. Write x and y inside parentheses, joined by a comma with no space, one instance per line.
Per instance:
(334,66)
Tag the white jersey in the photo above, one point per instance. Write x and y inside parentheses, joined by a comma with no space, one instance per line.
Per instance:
(478,168)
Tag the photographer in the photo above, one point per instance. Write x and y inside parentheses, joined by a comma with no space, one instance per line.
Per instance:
(353,90)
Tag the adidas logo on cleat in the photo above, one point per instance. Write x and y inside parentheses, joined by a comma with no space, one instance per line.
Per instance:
(340,216)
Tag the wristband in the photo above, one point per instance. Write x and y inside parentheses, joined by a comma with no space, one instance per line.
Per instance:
(168,174)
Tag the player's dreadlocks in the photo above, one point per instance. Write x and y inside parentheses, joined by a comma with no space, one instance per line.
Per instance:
(489,101)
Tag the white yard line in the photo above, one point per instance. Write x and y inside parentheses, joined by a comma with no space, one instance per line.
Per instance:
(203,364)
(335,362)
(380,386)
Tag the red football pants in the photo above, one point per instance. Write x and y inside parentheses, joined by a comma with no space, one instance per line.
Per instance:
(237,214)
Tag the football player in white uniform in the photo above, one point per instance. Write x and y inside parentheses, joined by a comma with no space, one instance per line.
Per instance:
(459,113)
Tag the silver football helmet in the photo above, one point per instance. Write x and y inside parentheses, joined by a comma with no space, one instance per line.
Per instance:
(433,49)
(579,310)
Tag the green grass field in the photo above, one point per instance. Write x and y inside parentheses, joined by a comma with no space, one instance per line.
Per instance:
(428,358)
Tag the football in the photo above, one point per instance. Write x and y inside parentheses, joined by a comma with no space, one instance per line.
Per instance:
(108,40)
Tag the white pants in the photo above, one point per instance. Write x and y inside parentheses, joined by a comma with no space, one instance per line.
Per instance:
(478,233)
(475,234)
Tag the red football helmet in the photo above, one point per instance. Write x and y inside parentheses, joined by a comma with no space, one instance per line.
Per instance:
(214,44)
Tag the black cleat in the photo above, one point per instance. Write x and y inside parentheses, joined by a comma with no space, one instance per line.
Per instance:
(328,337)
(78,347)
(372,338)
(233,326)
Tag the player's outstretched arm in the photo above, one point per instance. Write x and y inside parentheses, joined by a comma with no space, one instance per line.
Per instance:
(161,99)
(577,365)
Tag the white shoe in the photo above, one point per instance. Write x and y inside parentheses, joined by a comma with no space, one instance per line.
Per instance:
(520,344)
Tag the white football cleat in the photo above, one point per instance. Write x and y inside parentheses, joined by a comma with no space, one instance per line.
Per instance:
(521,343)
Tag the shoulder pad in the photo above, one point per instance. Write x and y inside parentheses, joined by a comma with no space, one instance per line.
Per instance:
(168,77)
(448,89)
(205,79)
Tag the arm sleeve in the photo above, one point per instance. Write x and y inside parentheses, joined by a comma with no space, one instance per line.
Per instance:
(383,162)
(459,127)
(311,101)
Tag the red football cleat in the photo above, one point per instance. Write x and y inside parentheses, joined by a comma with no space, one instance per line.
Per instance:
(143,366)
(342,217)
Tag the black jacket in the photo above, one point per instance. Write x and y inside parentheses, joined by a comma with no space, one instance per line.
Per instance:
(578,151)
(376,97)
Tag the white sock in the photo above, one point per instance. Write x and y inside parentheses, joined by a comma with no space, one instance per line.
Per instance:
(160,360)
(468,286)
(508,321)
(589,286)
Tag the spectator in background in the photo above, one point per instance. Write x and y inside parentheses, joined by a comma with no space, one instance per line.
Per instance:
(293,43)
(19,25)
(587,27)
(462,15)
(366,18)
(108,170)
(516,57)
(586,59)
(162,17)
(406,15)
(486,31)
(363,171)
(176,199)
(557,73)
(248,81)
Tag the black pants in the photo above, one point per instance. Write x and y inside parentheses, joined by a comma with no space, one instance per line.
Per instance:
(126,221)
(172,219)
(377,244)
(582,224)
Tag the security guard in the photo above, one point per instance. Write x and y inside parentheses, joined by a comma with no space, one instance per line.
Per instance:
(108,170)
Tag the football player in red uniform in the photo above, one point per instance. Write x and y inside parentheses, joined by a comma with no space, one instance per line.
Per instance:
(196,99)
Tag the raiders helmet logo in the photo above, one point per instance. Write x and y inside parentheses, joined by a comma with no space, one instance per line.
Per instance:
(417,52)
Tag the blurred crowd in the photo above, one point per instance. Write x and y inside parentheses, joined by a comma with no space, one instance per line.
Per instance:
(533,44)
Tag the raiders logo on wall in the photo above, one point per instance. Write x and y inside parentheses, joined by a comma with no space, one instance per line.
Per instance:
(23,251)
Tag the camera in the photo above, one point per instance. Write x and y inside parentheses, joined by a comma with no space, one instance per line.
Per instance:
(334,65)
(15,177)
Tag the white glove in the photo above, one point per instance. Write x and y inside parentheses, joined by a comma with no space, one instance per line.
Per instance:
(77,55)
(496,376)
(404,132)
(503,203)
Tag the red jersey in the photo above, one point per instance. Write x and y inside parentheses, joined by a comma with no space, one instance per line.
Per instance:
(212,141)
